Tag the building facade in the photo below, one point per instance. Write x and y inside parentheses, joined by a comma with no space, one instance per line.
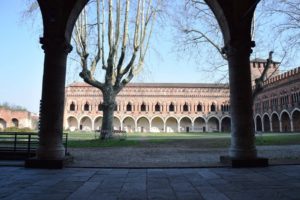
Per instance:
(17,118)
(184,107)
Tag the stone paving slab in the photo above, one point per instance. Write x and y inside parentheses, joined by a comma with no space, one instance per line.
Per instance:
(275,182)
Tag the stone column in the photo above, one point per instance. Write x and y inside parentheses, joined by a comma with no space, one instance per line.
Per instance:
(292,124)
(242,130)
(52,102)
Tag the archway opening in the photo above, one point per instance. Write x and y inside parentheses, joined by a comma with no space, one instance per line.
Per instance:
(72,124)
(226,124)
(157,125)
(285,122)
(185,125)
(275,123)
(86,124)
(171,125)
(296,120)
(143,125)
(213,124)
(199,125)
(98,123)
(258,123)
(15,122)
(267,125)
(2,124)
(117,123)
(129,124)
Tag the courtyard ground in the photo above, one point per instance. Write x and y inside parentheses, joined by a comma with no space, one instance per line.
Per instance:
(179,150)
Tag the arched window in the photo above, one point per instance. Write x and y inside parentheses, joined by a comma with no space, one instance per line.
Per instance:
(143,107)
(171,107)
(199,107)
(86,107)
(100,107)
(213,107)
(185,107)
(157,107)
(116,107)
(129,107)
(72,106)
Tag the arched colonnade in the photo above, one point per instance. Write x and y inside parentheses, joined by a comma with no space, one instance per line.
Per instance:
(153,124)
(278,122)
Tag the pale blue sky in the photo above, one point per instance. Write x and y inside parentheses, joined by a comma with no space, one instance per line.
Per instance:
(21,66)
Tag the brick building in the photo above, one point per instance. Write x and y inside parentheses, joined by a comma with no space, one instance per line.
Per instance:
(17,118)
(184,107)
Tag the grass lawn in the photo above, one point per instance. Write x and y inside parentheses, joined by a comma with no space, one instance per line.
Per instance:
(203,140)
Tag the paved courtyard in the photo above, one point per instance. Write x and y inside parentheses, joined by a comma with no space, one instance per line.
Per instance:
(275,182)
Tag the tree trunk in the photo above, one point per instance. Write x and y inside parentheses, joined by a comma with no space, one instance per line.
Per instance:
(108,115)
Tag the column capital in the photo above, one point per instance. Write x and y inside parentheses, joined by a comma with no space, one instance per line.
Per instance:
(238,47)
(55,44)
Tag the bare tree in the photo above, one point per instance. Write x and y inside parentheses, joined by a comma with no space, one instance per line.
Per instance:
(121,42)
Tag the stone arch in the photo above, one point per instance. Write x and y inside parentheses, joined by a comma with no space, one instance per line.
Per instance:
(86,124)
(2,124)
(157,124)
(143,124)
(199,124)
(171,125)
(72,123)
(185,124)
(285,120)
(258,123)
(129,124)
(266,123)
(225,124)
(213,124)
(15,122)
(296,119)
(275,122)
(98,122)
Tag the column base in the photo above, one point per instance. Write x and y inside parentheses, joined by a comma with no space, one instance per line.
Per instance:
(240,163)
(48,164)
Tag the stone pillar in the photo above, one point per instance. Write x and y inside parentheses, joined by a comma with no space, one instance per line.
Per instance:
(292,125)
(242,130)
(280,126)
(52,102)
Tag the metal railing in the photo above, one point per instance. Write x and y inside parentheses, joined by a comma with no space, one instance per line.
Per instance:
(22,145)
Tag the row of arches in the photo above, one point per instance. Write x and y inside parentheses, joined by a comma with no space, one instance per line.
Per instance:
(154,124)
(283,122)
(157,107)
(4,123)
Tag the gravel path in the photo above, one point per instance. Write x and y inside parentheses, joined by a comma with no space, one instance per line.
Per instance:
(172,155)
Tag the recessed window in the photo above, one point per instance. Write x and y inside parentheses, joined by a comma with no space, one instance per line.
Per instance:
(100,107)
(185,107)
(171,107)
(213,107)
(143,107)
(72,106)
(129,107)
(199,107)
(157,107)
(86,107)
